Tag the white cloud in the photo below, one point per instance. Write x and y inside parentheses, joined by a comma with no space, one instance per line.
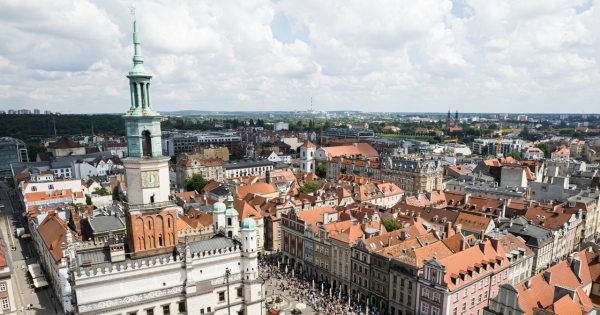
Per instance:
(497,56)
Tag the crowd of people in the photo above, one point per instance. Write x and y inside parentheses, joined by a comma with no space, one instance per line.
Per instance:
(303,288)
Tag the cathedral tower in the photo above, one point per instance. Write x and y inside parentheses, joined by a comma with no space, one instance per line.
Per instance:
(151,216)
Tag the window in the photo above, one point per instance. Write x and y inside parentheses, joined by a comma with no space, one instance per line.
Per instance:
(5,305)
(435,310)
(472,302)
(465,292)
(181,306)
(50,187)
(479,299)
(474,288)
(240,292)
(485,295)
(166,310)
(455,297)
(426,293)
(424,307)
(150,312)
(455,311)
(208,309)
(464,307)
(2,287)
(436,296)
(493,280)
(221,296)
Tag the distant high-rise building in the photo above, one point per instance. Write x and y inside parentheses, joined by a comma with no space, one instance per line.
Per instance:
(12,151)
(36,111)
(11,111)
(47,112)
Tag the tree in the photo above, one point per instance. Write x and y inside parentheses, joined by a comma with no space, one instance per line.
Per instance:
(545,148)
(197,182)
(101,191)
(309,187)
(88,200)
(32,152)
(524,133)
(321,171)
(515,154)
(391,224)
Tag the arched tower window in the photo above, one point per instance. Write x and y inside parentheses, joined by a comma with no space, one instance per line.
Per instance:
(160,240)
(146,143)
(229,221)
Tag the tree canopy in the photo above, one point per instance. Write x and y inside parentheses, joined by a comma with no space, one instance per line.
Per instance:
(515,154)
(391,224)
(197,182)
(321,171)
(545,148)
(309,187)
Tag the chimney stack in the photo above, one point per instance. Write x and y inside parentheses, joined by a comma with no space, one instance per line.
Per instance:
(463,244)
(528,284)
(457,228)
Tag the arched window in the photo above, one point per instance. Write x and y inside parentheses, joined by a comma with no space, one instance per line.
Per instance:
(160,241)
(149,225)
(229,221)
(146,143)
(169,222)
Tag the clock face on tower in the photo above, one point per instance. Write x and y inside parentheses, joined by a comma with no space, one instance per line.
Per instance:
(150,179)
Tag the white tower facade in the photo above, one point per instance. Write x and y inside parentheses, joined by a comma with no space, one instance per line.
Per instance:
(307,157)
(231,218)
(249,247)
(218,212)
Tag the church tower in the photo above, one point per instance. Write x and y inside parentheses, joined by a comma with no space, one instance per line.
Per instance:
(151,216)
(231,215)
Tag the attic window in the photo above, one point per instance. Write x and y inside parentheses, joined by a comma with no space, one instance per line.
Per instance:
(372,245)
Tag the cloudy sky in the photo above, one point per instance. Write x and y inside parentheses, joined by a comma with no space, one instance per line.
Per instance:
(498,56)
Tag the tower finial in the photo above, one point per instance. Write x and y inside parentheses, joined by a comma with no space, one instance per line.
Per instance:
(132,10)
(138,60)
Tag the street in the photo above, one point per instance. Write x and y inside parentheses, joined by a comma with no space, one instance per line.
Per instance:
(23,255)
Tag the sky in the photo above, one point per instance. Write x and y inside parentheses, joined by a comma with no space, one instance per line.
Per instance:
(496,56)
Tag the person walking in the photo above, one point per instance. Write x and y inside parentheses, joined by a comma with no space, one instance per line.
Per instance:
(22,308)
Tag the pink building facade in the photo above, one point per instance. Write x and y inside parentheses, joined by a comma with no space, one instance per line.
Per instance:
(463,283)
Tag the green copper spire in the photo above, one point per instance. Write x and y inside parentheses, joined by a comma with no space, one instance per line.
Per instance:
(139,82)
(138,60)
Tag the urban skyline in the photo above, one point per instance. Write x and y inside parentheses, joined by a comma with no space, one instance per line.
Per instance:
(393,57)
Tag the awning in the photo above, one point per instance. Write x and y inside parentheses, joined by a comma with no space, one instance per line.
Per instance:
(26,236)
(39,282)
(35,270)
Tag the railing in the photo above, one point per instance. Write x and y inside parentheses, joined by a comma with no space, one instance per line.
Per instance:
(150,206)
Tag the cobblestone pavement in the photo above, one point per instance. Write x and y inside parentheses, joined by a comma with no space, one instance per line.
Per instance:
(21,256)
(300,290)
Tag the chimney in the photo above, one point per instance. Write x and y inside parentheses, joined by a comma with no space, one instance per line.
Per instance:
(463,244)
(528,284)
(389,241)
(576,263)
(467,198)
(448,231)
(403,235)
(548,276)
(457,228)
(482,235)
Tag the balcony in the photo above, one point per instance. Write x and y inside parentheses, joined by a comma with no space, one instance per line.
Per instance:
(149,206)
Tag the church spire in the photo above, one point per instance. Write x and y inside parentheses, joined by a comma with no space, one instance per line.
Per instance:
(139,82)
(138,60)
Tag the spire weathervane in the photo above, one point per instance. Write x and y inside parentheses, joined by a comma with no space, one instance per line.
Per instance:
(132,11)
